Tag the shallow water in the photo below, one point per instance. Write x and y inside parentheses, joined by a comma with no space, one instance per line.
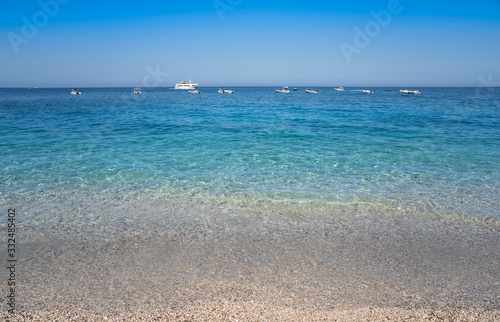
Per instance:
(330,200)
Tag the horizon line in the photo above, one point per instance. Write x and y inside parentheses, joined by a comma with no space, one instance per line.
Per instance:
(322,86)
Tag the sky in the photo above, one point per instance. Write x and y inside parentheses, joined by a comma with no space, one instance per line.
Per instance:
(75,43)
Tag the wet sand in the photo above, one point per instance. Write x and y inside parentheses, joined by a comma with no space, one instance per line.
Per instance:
(204,264)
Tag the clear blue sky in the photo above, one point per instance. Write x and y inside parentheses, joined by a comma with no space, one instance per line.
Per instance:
(248,42)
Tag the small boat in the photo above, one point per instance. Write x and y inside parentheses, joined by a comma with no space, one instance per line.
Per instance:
(405,91)
(75,92)
(367,91)
(225,91)
(340,89)
(295,89)
(284,90)
(194,91)
(137,91)
(311,91)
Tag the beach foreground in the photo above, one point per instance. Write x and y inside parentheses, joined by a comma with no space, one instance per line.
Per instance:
(248,311)
(348,262)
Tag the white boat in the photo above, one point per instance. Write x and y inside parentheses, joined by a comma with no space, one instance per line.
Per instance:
(340,89)
(405,91)
(311,91)
(225,91)
(284,90)
(75,92)
(367,91)
(194,91)
(186,85)
(137,91)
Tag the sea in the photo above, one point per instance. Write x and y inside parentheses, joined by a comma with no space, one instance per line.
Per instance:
(336,199)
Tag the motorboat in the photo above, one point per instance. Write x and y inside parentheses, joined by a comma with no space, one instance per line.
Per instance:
(194,91)
(186,85)
(137,91)
(312,91)
(295,89)
(367,91)
(75,92)
(340,89)
(225,91)
(405,91)
(284,90)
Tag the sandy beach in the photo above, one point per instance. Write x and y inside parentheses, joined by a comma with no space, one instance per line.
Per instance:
(245,265)
(249,311)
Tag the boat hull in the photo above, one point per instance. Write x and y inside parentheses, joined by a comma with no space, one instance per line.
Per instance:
(186,85)
(405,91)
(193,86)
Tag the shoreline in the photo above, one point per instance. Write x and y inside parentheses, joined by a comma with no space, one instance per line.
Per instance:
(236,261)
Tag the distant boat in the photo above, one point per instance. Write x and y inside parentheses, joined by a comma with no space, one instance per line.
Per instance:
(284,90)
(194,91)
(311,91)
(367,91)
(137,91)
(295,89)
(405,91)
(186,85)
(225,91)
(75,92)
(340,89)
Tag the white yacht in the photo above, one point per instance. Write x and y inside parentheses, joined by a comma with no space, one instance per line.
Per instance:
(284,90)
(340,89)
(405,91)
(186,85)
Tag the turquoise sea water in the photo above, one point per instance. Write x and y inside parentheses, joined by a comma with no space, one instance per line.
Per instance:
(334,200)
(439,150)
